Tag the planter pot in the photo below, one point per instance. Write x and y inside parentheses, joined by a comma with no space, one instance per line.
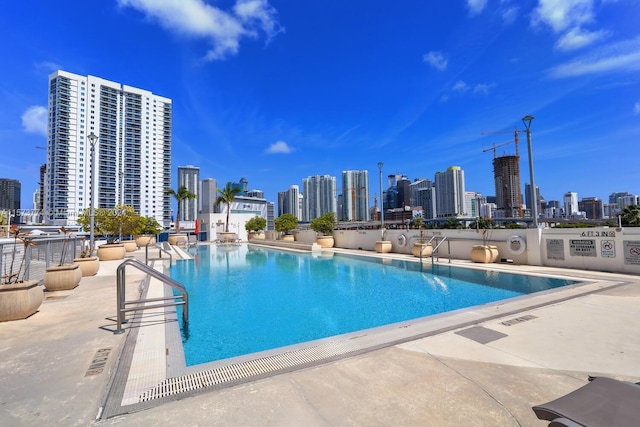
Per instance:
(325,241)
(383,246)
(495,254)
(144,240)
(288,238)
(426,250)
(256,235)
(111,251)
(62,277)
(20,300)
(227,236)
(130,245)
(484,253)
(88,265)
(178,237)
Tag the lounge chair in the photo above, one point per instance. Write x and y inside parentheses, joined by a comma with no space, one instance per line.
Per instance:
(602,402)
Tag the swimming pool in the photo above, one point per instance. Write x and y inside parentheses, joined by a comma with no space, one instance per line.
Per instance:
(244,299)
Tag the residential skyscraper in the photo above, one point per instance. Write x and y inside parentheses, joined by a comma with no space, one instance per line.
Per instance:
(132,155)
(207,199)
(506,175)
(189,177)
(10,190)
(592,207)
(289,202)
(570,202)
(355,195)
(450,192)
(319,196)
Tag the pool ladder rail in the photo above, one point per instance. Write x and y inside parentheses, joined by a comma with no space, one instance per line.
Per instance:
(435,250)
(140,304)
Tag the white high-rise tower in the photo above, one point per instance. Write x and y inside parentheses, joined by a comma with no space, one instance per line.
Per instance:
(132,155)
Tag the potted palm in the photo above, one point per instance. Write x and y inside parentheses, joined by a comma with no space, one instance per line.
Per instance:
(181,195)
(420,248)
(87,262)
(324,226)
(63,276)
(284,224)
(255,227)
(19,297)
(150,229)
(227,196)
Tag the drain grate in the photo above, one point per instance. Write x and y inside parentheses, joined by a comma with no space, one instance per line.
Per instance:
(518,320)
(49,297)
(248,370)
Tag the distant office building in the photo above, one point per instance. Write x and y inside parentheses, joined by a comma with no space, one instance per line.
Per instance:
(189,177)
(570,204)
(319,196)
(415,186)
(450,192)
(423,195)
(256,193)
(473,202)
(404,192)
(506,175)
(208,196)
(10,197)
(528,200)
(592,207)
(355,195)
(132,154)
(289,202)
(271,216)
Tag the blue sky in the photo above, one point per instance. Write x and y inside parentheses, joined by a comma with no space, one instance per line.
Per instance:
(277,91)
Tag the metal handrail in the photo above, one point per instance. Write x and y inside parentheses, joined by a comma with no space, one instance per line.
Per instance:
(121,293)
(161,249)
(435,250)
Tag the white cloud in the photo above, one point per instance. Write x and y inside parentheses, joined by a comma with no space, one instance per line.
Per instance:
(476,6)
(482,88)
(279,147)
(616,57)
(224,29)
(509,14)
(460,86)
(577,38)
(636,108)
(562,14)
(435,59)
(34,120)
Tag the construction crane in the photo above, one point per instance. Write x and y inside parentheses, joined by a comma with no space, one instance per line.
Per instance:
(515,139)
(500,145)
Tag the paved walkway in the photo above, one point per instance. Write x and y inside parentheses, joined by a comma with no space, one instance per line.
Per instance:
(57,365)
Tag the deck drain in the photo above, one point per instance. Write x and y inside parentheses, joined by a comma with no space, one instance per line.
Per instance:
(518,320)
(247,370)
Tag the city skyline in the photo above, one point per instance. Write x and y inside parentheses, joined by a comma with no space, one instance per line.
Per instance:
(300,90)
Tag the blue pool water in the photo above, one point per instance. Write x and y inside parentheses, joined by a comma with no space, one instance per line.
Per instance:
(244,299)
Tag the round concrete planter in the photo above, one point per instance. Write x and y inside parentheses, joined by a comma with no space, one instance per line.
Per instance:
(88,265)
(325,241)
(130,245)
(178,237)
(111,252)
(383,246)
(288,238)
(484,253)
(144,240)
(256,235)
(418,247)
(20,300)
(62,277)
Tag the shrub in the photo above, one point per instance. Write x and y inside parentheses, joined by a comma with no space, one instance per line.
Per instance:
(286,222)
(256,223)
(324,224)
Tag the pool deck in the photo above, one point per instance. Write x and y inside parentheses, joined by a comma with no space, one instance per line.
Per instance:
(59,365)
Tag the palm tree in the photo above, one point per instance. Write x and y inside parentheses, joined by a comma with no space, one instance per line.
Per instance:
(631,216)
(181,195)
(227,195)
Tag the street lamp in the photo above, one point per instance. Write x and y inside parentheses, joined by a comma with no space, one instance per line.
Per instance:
(381,204)
(534,199)
(93,138)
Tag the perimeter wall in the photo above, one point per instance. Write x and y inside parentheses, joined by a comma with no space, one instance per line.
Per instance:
(599,249)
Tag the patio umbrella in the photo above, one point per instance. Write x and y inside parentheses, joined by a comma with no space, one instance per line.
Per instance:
(197,230)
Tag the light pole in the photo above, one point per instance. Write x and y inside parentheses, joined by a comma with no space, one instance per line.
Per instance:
(93,138)
(381,204)
(534,199)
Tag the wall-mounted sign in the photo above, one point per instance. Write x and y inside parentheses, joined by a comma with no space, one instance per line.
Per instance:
(631,251)
(555,249)
(582,247)
(608,248)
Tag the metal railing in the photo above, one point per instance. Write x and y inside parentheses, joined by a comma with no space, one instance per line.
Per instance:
(176,300)
(162,247)
(45,251)
(436,251)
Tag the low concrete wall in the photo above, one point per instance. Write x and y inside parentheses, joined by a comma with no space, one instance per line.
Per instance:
(598,249)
